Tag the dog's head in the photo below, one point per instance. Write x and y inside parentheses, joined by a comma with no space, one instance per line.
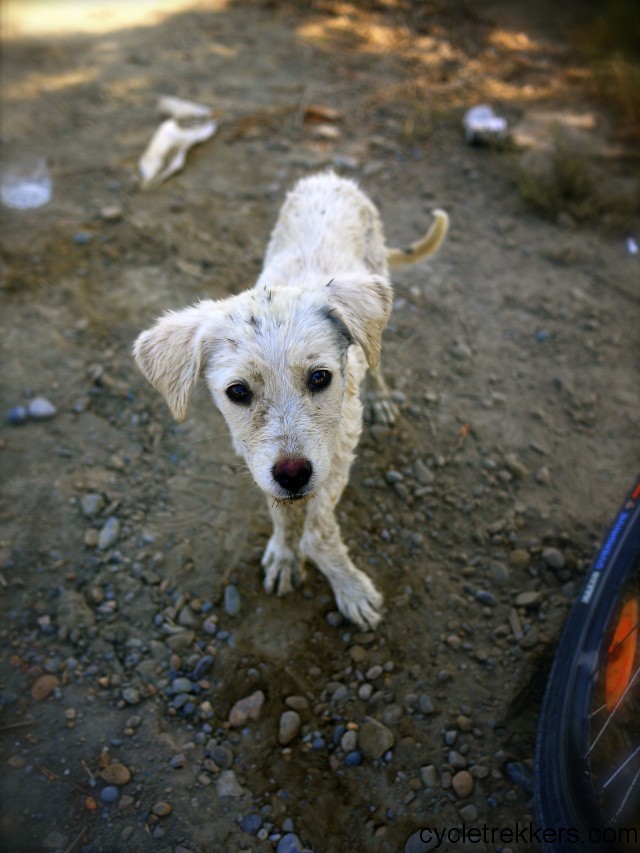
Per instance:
(275,361)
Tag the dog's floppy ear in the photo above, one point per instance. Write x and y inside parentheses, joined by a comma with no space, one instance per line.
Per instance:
(170,354)
(363,303)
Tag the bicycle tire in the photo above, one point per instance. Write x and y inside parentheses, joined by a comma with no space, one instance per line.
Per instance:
(569,816)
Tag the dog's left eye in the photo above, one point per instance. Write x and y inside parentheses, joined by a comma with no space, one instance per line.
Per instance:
(319,379)
(239,393)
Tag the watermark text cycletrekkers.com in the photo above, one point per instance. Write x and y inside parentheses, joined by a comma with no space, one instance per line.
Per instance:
(527,833)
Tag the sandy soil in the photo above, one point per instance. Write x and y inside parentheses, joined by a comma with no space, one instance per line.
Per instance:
(514,356)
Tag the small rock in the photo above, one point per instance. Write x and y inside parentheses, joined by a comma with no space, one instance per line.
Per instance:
(421,841)
(289,843)
(44,687)
(246,709)
(461,352)
(181,685)
(469,813)
(353,759)
(297,703)
(528,599)
(111,213)
(483,596)
(349,741)
(375,739)
(251,823)
(222,756)
(41,409)
(423,474)
(429,776)
(131,695)
(519,559)
(515,466)
(55,841)
(231,600)
(162,809)
(109,534)
(553,558)
(227,785)
(202,667)
(92,504)
(290,724)
(462,783)
(116,774)
(109,794)
(17,416)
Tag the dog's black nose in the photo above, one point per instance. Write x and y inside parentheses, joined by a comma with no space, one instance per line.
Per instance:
(292,474)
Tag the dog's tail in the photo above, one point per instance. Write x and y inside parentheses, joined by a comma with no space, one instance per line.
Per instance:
(429,244)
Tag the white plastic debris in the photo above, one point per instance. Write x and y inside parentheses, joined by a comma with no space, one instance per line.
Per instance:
(483,126)
(26,183)
(166,154)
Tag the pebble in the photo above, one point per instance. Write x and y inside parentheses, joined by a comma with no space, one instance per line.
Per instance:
(131,695)
(92,504)
(420,842)
(462,783)
(116,774)
(41,409)
(469,813)
(519,559)
(231,600)
(483,596)
(222,756)
(297,703)
(515,466)
(461,351)
(429,776)
(349,741)
(353,759)
(109,534)
(55,841)
(289,843)
(553,558)
(227,785)
(111,213)
(528,599)
(182,685)
(423,474)
(251,823)
(246,709)
(109,794)
(17,416)
(425,705)
(44,687)
(162,809)
(202,667)
(375,739)
(289,727)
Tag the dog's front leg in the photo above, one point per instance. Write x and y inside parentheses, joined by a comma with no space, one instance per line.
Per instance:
(356,596)
(282,560)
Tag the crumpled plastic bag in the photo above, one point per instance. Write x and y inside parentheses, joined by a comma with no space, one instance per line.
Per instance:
(190,124)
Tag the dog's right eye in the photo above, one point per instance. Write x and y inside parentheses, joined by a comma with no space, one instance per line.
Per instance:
(239,393)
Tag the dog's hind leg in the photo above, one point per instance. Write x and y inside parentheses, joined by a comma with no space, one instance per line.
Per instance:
(383,409)
(282,560)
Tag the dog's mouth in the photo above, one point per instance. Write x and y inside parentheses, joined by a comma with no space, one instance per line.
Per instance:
(294,499)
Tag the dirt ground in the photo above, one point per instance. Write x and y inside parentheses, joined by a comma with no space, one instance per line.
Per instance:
(514,356)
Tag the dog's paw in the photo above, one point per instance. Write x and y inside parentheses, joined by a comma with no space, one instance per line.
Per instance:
(359,601)
(383,410)
(283,568)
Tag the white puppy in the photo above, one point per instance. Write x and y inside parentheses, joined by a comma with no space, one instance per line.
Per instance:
(284,362)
